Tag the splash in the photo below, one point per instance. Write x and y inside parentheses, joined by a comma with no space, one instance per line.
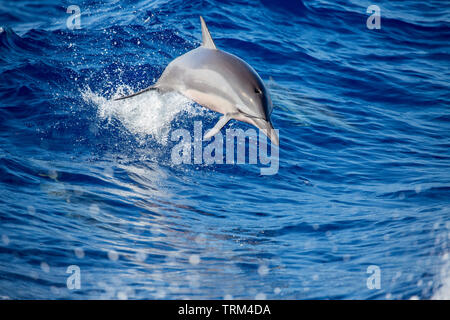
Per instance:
(150,113)
(443,293)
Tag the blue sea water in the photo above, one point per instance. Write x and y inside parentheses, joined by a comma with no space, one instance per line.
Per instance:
(364,163)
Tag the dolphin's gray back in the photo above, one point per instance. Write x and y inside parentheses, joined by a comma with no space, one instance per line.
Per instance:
(224,77)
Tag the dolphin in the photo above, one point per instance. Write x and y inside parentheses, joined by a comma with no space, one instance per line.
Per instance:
(221,82)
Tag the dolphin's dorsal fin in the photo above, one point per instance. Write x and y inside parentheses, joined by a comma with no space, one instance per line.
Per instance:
(206,36)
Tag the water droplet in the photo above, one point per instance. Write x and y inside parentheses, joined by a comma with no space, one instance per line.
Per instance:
(45,267)
(194,259)
(263,270)
(79,252)
(200,239)
(113,255)
(260,296)
(141,256)
(122,295)
(418,188)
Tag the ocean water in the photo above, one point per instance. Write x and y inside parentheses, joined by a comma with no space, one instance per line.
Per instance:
(88,184)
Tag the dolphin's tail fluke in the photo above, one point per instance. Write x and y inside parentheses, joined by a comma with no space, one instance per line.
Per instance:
(138,93)
(267,129)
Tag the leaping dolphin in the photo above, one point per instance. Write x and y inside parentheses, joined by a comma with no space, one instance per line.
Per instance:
(221,82)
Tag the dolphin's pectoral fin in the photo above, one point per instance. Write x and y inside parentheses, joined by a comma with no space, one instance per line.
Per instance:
(138,93)
(219,125)
(206,36)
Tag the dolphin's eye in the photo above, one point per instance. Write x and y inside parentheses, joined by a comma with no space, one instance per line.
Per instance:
(258,91)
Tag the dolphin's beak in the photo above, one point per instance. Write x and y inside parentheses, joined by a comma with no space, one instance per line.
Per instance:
(267,128)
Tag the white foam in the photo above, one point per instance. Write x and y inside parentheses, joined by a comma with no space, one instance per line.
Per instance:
(443,293)
(150,113)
